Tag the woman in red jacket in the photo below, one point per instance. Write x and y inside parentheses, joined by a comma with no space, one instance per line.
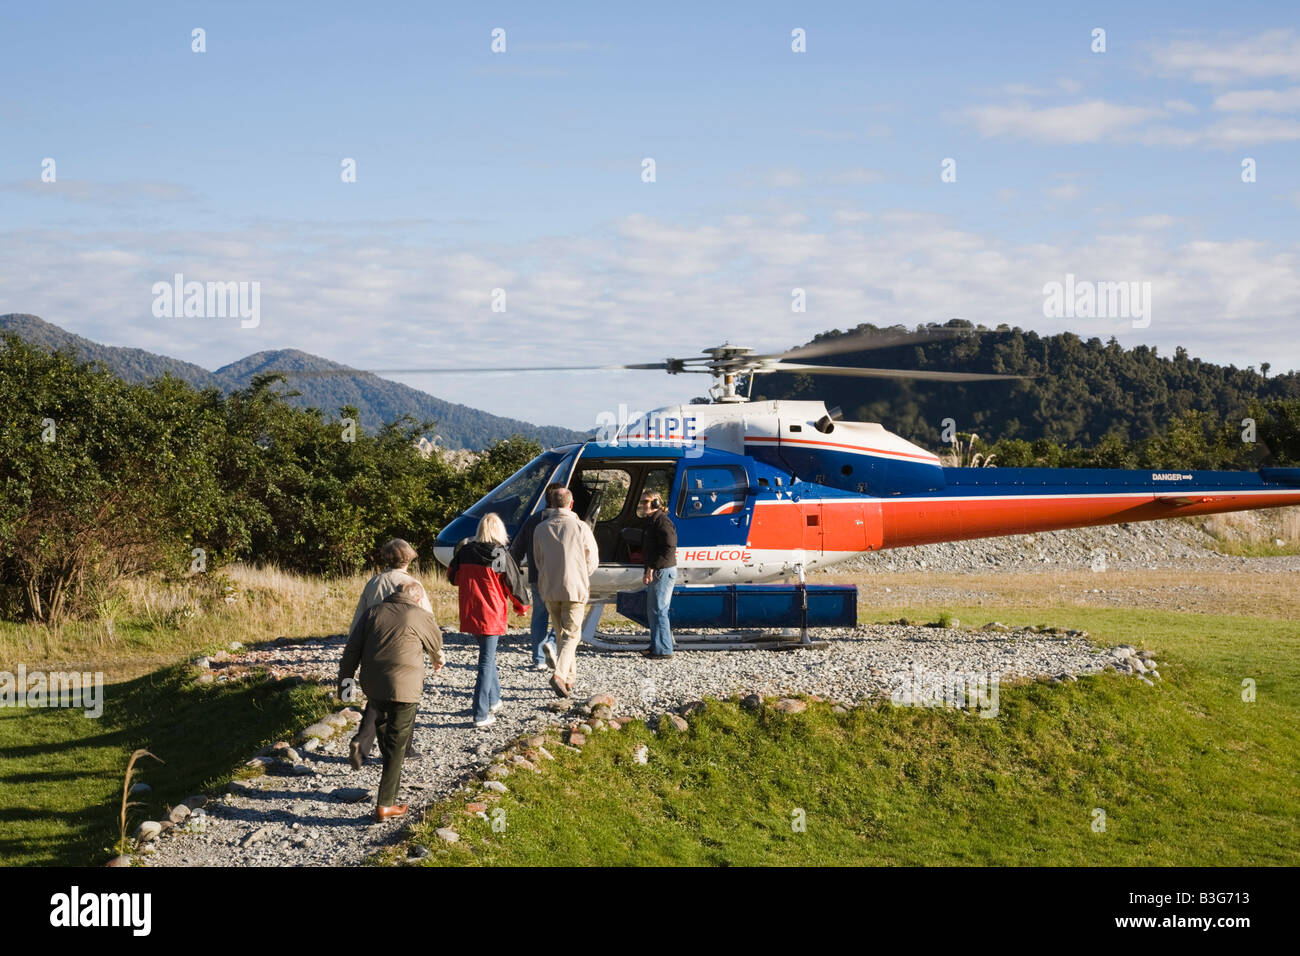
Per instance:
(486,576)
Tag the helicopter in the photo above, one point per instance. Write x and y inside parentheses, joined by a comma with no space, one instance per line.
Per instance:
(766,491)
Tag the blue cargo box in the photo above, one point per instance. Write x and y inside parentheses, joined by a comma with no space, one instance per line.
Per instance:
(750,606)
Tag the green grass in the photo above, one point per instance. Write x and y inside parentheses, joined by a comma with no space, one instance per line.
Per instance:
(61,772)
(1186,772)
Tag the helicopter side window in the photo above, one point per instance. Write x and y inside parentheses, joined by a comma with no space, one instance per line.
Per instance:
(712,490)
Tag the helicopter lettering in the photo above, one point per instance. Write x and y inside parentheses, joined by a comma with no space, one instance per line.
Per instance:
(717,554)
(638,429)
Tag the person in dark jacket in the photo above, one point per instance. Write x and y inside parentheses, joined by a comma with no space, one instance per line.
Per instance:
(521,548)
(389,642)
(396,557)
(659,545)
(487,577)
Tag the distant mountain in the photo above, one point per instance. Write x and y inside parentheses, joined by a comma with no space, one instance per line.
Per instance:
(376,399)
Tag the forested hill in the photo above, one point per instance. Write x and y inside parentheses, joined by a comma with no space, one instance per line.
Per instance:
(1078,390)
(376,399)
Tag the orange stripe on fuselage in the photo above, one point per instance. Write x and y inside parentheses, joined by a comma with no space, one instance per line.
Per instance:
(874,523)
(921,521)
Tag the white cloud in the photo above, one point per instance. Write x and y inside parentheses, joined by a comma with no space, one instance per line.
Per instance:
(1273,53)
(109,194)
(1259,101)
(857,176)
(1154,221)
(640,289)
(1088,122)
(1065,191)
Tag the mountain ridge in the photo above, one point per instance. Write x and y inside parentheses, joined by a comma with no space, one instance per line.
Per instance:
(376,399)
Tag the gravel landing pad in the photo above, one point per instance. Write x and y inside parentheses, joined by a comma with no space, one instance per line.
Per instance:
(319,814)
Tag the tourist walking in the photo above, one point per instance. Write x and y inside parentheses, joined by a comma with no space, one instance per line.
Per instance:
(396,556)
(487,577)
(567,556)
(389,642)
(521,549)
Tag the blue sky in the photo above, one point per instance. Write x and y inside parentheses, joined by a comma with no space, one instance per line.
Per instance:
(522,170)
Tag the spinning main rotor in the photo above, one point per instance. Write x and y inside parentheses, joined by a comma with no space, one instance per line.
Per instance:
(730,364)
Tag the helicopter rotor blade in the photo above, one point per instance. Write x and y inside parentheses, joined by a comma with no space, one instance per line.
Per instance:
(467,371)
(915,374)
(862,342)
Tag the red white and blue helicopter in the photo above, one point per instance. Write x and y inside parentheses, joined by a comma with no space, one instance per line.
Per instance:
(765,491)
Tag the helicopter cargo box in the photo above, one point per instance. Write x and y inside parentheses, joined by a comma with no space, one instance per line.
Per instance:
(750,606)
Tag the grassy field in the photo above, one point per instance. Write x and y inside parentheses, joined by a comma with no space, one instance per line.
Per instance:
(1185,773)
(61,772)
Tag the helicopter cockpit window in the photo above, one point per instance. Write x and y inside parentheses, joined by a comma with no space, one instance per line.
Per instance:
(513,497)
(712,490)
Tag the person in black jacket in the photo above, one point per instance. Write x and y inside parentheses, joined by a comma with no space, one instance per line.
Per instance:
(659,545)
(522,547)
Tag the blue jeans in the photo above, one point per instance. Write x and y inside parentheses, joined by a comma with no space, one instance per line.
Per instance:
(542,632)
(659,593)
(487,685)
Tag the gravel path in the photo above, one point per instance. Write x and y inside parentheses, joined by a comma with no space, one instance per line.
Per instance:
(306,818)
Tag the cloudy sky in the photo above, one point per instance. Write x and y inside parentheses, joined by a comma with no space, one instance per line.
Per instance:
(522,170)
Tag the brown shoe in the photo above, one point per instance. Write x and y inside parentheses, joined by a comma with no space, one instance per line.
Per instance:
(387,813)
(560,687)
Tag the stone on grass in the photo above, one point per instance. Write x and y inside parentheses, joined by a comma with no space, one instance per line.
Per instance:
(319,729)
(495,785)
(447,834)
(475,808)
(678,723)
(147,831)
(178,813)
(641,754)
(417,852)
(751,702)
(497,771)
(790,705)
(577,739)
(584,729)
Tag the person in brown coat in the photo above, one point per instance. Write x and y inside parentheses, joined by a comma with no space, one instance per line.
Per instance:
(389,642)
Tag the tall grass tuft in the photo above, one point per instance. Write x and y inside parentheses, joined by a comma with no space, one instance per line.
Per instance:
(126,802)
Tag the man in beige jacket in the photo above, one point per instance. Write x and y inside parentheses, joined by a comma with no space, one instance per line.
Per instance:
(566,555)
(389,643)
